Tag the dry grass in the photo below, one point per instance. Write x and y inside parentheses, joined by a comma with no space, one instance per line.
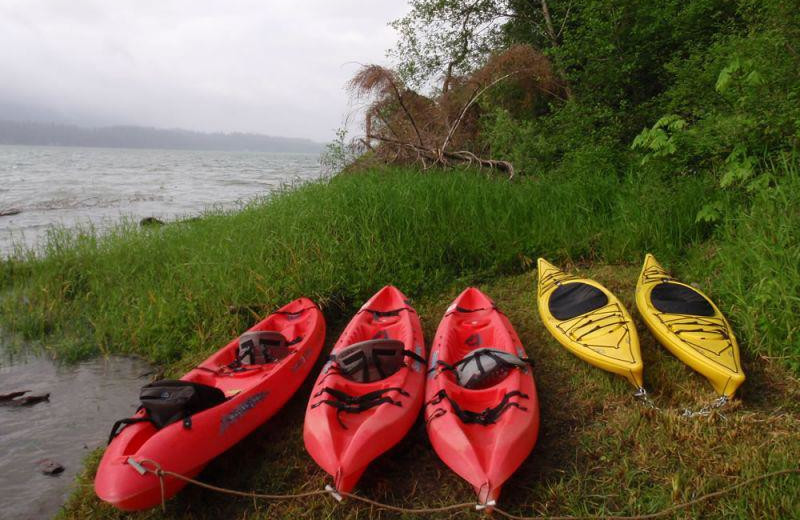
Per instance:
(599,451)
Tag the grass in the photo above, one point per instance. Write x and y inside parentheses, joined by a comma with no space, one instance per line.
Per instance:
(599,451)
(163,292)
(755,267)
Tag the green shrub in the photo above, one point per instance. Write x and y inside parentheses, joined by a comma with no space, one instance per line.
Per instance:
(755,267)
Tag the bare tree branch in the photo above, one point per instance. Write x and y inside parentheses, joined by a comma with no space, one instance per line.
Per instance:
(472,100)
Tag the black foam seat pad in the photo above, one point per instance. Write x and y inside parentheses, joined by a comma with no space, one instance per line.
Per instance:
(674,298)
(576,298)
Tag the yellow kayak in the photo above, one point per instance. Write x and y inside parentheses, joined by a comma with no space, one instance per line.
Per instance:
(590,322)
(689,325)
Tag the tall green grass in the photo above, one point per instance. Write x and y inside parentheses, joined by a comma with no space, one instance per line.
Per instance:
(185,287)
(755,267)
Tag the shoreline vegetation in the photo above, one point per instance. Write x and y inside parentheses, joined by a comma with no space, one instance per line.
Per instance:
(175,293)
(667,128)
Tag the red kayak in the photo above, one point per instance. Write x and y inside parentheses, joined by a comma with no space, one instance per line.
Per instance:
(370,392)
(185,423)
(482,412)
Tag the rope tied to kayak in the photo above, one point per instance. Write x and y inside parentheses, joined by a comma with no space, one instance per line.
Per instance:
(149,466)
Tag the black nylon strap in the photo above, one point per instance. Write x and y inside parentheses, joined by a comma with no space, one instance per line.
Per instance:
(416,357)
(488,416)
(344,402)
(447,366)
(354,408)
(383,314)
(115,430)
(354,399)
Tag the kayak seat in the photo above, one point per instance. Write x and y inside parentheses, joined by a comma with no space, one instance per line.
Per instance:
(574,299)
(371,360)
(484,367)
(675,298)
(260,347)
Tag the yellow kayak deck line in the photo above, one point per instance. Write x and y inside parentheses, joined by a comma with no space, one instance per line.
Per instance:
(689,324)
(589,321)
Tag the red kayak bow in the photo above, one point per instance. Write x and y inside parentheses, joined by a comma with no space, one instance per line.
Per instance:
(370,392)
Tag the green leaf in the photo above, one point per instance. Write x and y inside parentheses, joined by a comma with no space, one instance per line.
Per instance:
(711,212)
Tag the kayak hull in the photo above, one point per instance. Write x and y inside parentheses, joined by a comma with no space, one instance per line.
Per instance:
(483,455)
(705,342)
(604,336)
(254,395)
(344,444)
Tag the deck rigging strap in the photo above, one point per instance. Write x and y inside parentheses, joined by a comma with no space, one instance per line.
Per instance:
(488,416)
(347,403)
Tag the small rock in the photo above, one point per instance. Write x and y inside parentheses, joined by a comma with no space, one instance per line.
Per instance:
(151,221)
(50,467)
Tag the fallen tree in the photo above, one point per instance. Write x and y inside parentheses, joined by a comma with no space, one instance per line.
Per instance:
(404,126)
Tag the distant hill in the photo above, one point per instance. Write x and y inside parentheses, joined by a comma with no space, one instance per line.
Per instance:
(55,134)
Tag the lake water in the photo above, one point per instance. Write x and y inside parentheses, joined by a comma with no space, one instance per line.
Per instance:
(85,400)
(68,186)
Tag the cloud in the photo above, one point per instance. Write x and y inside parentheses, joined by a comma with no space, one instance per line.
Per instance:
(276,67)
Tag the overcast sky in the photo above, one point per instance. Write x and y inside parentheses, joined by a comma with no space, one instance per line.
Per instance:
(276,67)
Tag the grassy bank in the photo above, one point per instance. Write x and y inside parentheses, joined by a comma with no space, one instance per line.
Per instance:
(599,451)
(164,293)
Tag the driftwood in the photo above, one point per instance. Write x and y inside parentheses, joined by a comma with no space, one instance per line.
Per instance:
(29,400)
(10,211)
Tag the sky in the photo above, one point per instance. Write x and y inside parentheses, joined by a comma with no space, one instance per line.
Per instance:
(276,67)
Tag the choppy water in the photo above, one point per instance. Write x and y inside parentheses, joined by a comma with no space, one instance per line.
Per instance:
(85,400)
(67,186)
